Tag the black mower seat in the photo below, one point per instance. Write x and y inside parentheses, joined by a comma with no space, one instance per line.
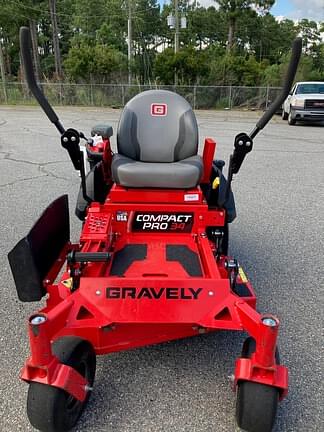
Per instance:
(157,141)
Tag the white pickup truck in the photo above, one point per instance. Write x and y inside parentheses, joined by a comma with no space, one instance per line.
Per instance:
(304,103)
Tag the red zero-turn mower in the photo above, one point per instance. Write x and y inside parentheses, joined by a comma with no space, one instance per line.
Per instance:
(151,264)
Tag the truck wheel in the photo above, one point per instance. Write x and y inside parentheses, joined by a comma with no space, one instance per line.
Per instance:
(284,115)
(256,404)
(291,120)
(51,409)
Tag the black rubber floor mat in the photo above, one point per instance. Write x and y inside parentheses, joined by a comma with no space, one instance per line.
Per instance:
(186,257)
(126,256)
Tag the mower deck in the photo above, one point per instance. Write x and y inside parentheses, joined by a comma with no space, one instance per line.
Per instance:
(153,275)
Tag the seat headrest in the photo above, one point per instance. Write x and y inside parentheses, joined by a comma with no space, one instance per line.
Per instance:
(157,126)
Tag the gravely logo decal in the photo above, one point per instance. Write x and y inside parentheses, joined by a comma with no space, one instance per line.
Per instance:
(159,109)
(153,293)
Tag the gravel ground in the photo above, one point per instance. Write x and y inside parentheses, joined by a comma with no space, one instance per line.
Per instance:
(277,236)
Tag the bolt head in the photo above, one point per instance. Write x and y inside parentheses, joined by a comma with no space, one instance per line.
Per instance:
(88,388)
(65,139)
(37,320)
(98,292)
(240,142)
(73,138)
(269,322)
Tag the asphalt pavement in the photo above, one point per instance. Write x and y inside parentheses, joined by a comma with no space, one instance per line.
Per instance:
(278,238)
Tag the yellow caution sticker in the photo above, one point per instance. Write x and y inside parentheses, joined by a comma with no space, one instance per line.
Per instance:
(68,283)
(215,183)
(243,276)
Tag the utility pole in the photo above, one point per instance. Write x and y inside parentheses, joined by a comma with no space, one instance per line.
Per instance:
(176,36)
(56,45)
(173,23)
(130,42)
(3,73)
(176,33)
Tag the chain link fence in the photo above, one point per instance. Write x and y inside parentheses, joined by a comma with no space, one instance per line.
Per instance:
(117,95)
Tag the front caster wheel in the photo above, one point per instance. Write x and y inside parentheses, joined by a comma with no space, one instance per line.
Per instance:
(51,409)
(256,404)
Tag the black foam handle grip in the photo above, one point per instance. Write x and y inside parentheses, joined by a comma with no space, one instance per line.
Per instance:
(25,47)
(288,82)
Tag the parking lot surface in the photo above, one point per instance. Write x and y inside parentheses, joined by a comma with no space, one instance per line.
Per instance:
(278,238)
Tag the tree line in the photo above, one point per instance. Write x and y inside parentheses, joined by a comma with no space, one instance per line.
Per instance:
(232,43)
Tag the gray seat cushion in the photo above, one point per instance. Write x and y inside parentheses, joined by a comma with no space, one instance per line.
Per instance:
(184,174)
(146,136)
(157,141)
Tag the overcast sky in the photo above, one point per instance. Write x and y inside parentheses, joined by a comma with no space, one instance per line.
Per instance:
(294,9)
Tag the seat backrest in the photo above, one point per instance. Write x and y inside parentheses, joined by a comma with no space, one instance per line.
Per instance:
(157,126)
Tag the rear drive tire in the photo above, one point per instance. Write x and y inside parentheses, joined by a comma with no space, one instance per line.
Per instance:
(51,409)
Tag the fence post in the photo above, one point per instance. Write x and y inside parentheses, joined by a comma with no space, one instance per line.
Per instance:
(230,97)
(123,95)
(91,93)
(267,97)
(5,97)
(3,74)
(194,97)
(61,95)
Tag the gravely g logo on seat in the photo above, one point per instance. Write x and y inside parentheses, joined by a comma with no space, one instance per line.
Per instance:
(163,222)
(153,293)
(159,109)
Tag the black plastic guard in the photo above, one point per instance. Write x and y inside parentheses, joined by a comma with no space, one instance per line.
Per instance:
(33,256)
(97,190)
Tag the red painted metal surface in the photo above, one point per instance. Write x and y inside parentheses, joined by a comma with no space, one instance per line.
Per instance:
(57,375)
(155,300)
(250,370)
(208,157)
(119,194)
